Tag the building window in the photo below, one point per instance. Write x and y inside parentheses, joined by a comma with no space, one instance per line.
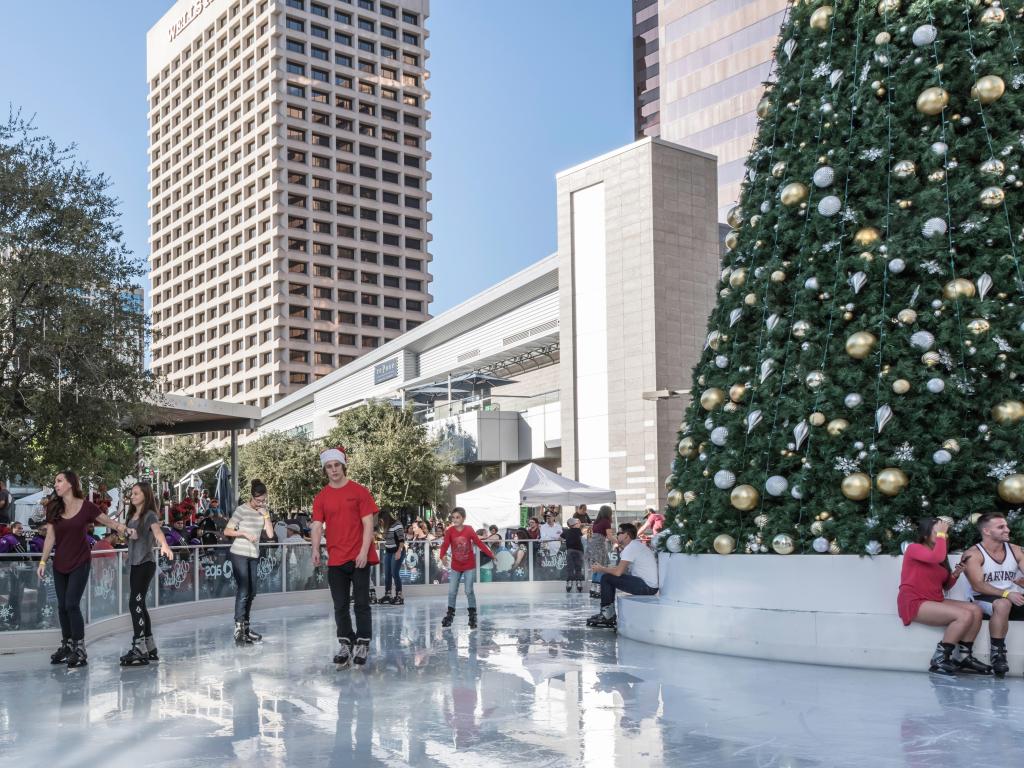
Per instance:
(296,90)
(343,38)
(411,59)
(295,377)
(323,337)
(390,281)
(298,356)
(367,24)
(410,39)
(299,334)
(321,292)
(389,32)
(391,261)
(366,5)
(300,4)
(298,312)
(413,243)
(297,113)
(370,321)
(343,81)
(346,339)
(296,24)
(342,18)
(392,323)
(318,31)
(388,53)
(294,68)
(371,342)
(414,264)
(410,18)
(294,46)
(321,10)
(387,10)
(392,302)
(325,315)
(323,358)
(414,305)
(342,60)
(414,285)
(319,74)
(319,53)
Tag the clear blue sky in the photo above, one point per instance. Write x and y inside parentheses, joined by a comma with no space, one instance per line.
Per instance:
(519,91)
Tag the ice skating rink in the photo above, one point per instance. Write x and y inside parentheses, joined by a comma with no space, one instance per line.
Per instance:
(531,687)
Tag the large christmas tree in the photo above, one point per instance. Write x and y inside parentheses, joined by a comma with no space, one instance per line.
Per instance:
(863,364)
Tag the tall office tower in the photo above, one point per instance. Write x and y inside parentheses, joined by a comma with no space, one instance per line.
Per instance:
(713,58)
(288,189)
(646,117)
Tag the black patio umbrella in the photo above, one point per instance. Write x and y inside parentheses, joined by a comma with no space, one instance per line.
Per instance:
(225,493)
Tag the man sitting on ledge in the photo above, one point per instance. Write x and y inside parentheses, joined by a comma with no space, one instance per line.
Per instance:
(641,579)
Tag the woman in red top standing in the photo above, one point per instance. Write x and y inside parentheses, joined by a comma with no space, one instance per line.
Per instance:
(68,515)
(461,538)
(926,574)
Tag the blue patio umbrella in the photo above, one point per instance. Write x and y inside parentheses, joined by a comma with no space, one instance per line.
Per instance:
(225,492)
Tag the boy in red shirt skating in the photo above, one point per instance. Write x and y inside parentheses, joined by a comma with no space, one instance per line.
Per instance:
(461,538)
(347,509)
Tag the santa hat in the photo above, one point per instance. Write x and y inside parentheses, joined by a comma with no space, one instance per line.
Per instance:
(333,454)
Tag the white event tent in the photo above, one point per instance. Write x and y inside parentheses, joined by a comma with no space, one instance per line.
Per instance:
(498,503)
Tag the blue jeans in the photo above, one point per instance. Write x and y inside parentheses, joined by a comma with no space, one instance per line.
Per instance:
(467,578)
(393,570)
(632,585)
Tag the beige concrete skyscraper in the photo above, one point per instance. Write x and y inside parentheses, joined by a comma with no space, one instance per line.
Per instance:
(713,58)
(288,189)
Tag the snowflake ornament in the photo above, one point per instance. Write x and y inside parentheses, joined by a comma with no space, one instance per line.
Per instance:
(1002,344)
(871,154)
(1002,469)
(822,70)
(6,613)
(865,72)
(846,466)
(946,359)
(904,453)
(932,267)
(830,246)
(848,215)
(903,526)
(1017,81)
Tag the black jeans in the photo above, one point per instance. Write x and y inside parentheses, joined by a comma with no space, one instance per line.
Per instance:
(139,578)
(631,585)
(244,570)
(342,579)
(70,587)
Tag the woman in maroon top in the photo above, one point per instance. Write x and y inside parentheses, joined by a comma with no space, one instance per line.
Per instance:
(925,575)
(68,515)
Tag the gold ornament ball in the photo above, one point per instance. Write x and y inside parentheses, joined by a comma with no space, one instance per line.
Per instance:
(712,398)
(991,197)
(836,427)
(931,359)
(764,107)
(669,482)
(687,448)
(821,18)
(783,544)
(888,6)
(750,299)
(735,217)
(737,392)
(938,175)
(860,344)
(793,193)
(856,486)
(961,288)
(724,544)
(817,527)
(778,169)
(891,481)
(992,16)
(817,419)
(778,276)
(905,204)
(814,379)
(732,240)
(674,498)
(907,316)
(882,38)
(931,101)
(824,516)
(744,497)
(992,167)
(867,256)
(952,445)
(904,169)
(988,89)
(901,386)
(755,220)
(738,278)
(847,316)
(978,326)
(865,237)
(689,497)
(834,548)
(1011,489)
(1008,412)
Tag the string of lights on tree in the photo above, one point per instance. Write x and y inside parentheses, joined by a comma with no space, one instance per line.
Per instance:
(862,367)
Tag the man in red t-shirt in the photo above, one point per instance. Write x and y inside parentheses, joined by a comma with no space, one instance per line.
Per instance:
(347,510)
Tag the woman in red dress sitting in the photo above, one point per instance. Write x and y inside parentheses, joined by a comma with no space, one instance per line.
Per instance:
(926,574)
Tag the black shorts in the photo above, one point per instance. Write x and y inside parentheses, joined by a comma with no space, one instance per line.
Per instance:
(1016,611)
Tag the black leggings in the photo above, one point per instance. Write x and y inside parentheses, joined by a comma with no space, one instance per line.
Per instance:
(244,571)
(139,577)
(70,587)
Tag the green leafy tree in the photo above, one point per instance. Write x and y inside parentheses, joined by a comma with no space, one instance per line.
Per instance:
(393,455)
(289,466)
(174,457)
(863,364)
(71,330)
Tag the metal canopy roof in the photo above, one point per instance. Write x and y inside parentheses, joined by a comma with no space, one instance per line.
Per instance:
(182,415)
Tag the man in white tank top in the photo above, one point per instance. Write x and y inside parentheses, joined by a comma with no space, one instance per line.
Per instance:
(994,570)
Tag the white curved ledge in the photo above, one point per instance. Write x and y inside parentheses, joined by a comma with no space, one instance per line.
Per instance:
(838,610)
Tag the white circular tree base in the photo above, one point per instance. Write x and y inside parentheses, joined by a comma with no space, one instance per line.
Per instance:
(837,610)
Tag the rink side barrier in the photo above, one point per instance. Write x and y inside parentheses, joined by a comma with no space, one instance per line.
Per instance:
(836,610)
(199,583)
